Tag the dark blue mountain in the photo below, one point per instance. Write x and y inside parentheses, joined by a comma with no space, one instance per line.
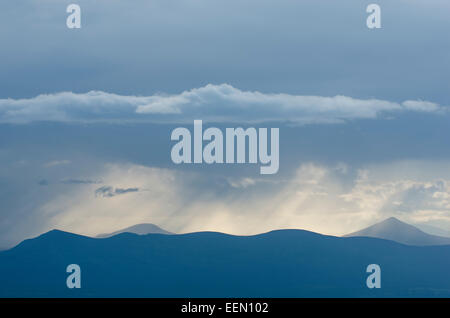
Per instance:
(285,263)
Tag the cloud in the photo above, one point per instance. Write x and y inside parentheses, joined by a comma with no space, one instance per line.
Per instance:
(421,106)
(80,181)
(57,163)
(43,182)
(217,103)
(108,191)
(242,182)
(411,192)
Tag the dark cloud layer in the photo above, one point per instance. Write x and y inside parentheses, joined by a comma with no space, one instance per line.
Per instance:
(308,47)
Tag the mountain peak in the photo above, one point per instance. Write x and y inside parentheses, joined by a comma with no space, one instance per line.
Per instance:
(394,220)
(57,233)
(395,230)
(140,229)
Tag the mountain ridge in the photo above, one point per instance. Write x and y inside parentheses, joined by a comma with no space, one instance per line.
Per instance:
(280,263)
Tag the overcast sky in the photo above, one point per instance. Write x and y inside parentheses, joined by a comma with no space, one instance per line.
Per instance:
(86,115)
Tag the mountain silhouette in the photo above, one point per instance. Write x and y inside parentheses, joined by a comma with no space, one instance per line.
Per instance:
(398,231)
(283,263)
(140,229)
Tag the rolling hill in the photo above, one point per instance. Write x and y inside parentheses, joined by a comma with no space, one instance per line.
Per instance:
(284,263)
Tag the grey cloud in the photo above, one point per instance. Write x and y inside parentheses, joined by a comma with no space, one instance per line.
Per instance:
(80,181)
(217,103)
(57,163)
(108,191)
(43,182)
(122,191)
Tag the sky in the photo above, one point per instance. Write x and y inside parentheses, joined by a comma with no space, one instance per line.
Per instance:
(86,114)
